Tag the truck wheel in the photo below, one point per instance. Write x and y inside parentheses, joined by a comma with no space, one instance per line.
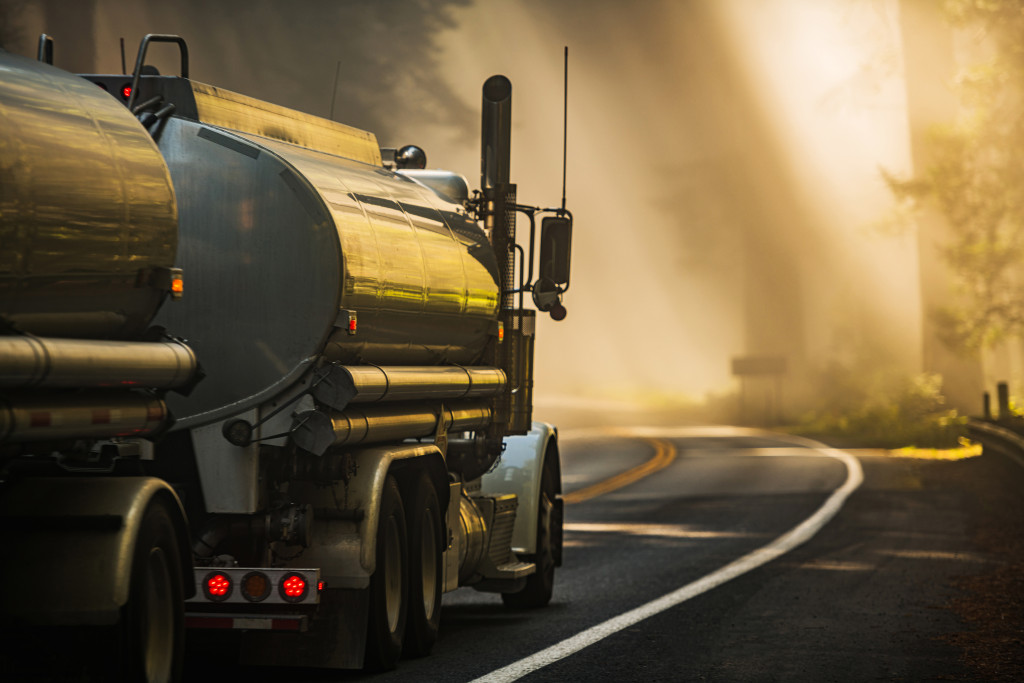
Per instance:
(424,517)
(152,628)
(540,585)
(388,584)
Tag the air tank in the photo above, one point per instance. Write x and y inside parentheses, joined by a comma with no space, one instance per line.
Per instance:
(299,245)
(88,224)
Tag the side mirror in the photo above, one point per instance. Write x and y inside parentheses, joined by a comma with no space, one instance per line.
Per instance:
(546,294)
(555,248)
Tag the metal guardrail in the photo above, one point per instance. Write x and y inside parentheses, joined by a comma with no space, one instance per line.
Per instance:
(1003,436)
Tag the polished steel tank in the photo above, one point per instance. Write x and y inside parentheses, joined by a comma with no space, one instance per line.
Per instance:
(88,224)
(298,244)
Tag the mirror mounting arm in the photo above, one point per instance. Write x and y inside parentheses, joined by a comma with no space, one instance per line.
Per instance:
(530,212)
(547,292)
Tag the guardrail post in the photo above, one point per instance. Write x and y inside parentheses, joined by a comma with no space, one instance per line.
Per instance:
(1004,400)
(986,403)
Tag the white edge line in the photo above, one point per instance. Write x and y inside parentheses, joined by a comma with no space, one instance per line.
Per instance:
(780,546)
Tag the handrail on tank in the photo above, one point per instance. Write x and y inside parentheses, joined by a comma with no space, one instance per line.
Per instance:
(141,59)
(45,53)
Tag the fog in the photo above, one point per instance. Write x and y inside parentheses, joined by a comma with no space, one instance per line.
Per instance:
(724,158)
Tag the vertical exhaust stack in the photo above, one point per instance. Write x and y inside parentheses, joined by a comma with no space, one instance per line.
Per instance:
(513,408)
(496,131)
(498,193)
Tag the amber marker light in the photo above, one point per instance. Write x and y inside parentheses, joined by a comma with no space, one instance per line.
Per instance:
(177,287)
(255,586)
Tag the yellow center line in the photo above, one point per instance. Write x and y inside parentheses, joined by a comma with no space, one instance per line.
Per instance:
(664,454)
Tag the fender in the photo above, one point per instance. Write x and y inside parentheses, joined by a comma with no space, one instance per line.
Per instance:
(346,513)
(519,472)
(74,538)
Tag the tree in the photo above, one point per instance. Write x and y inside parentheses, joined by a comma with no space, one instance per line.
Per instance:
(976,180)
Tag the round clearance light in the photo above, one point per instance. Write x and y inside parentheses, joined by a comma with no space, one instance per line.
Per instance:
(126,91)
(217,586)
(293,588)
(255,586)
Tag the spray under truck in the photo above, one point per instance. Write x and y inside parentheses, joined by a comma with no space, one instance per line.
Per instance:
(259,375)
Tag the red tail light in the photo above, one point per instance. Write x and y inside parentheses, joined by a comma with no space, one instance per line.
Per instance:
(293,588)
(217,586)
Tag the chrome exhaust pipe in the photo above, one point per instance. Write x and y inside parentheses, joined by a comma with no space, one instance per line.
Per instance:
(496,132)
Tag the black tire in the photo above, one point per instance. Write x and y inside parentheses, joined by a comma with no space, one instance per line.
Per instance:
(540,585)
(152,628)
(389,584)
(425,570)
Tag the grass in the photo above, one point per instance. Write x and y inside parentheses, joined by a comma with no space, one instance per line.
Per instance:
(966,449)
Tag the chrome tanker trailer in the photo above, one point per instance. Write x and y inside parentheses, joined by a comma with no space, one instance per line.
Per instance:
(359,438)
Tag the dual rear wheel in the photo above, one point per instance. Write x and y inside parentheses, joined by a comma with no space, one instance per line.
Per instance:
(426,541)
(150,636)
(405,589)
(145,645)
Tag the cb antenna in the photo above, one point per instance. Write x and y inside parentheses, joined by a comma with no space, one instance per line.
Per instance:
(565,118)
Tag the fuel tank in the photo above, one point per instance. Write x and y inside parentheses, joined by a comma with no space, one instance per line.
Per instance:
(298,244)
(88,218)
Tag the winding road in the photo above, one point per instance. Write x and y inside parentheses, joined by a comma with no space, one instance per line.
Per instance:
(715,553)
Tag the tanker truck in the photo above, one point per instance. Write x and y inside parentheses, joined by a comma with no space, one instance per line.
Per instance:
(259,377)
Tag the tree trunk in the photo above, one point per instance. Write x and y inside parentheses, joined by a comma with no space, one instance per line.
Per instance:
(929,68)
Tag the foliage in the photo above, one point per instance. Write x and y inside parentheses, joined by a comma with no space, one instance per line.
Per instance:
(882,409)
(976,180)
(966,449)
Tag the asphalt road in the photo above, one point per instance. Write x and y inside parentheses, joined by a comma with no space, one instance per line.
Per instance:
(866,594)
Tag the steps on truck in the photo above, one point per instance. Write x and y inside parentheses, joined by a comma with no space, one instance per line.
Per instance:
(502,571)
